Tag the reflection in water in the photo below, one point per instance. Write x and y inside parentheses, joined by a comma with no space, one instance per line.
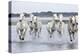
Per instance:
(29,47)
(21,45)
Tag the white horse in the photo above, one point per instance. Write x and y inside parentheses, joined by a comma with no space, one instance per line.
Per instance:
(21,27)
(51,26)
(72,27)
(76,21)
(61,25)
(35,26)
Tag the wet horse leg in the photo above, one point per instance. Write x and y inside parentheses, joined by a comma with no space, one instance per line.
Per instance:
(70,33)
(73,32)
(35,32)
(39,31)
(70,36)
(51,34)
(38,34)
(59,32)
(30,32)
(23,31)
(20,34)
(20,37)
(73,35)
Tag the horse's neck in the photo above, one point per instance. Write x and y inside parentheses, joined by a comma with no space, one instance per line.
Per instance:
(22,24)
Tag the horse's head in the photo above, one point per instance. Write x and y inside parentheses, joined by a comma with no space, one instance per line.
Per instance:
(22,16)
(34,19)
(73,19)
(60,17)
(55,17)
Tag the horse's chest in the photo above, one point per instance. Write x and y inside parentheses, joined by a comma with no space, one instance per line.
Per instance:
(22,25)
(36,25)
(56,25)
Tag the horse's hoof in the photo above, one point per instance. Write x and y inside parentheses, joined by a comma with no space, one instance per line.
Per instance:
(71,40)
(22,39)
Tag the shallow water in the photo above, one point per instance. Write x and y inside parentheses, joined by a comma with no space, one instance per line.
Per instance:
(43,43)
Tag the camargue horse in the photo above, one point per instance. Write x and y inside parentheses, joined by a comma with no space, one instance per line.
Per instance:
(35,26)
(76,19)
(51,26)
(72,27)
(21,27)
(61,25)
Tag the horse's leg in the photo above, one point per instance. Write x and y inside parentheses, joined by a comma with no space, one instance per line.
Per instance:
(20,37)
(39,31)
(30,32)
(23,35)
(59,31)
(35,33)
(51,34)
(70,36)
(73,35)
(38,34)
(74,30)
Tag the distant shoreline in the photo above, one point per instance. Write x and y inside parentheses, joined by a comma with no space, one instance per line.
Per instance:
(44,14)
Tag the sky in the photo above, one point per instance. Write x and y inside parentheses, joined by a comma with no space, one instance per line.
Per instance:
(29,7)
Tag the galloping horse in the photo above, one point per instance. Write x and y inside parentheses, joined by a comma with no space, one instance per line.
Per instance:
(51,26)
(72,27)
(60,24)
(21,27)
(35,26)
